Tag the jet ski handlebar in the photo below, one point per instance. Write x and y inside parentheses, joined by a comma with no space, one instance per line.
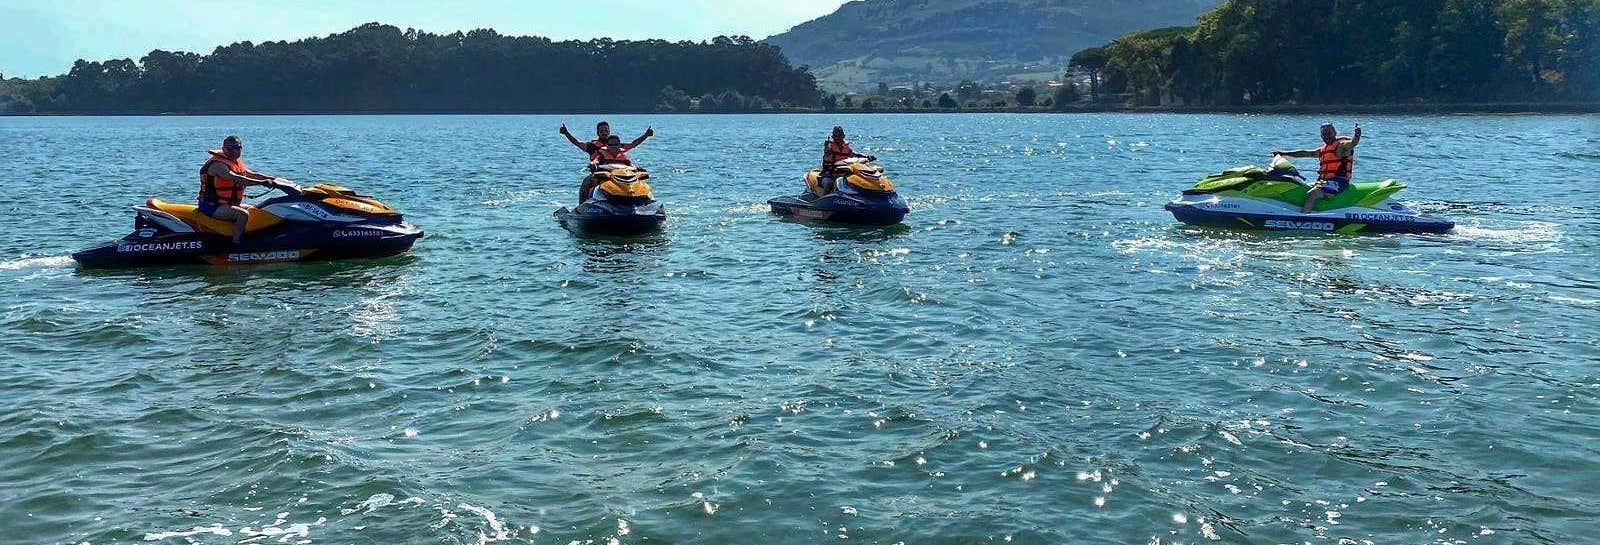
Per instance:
(285,185)
(1283,166)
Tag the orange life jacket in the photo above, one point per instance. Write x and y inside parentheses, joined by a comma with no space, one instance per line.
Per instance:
(607,157)
(834,152)
(217,190)
(1334,166)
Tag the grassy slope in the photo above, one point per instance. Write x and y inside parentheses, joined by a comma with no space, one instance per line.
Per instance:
(946,40)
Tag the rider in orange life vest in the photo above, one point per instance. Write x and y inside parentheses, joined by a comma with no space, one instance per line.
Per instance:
(223,179)
(599,147)
(613,153)
(1337,158)
(834,150)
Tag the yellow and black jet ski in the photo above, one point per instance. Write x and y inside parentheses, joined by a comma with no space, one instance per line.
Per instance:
(319,222)
(621,204)
(862,195)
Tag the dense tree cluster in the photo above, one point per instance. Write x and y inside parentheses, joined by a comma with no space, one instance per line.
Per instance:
(1361,52)
(381,68)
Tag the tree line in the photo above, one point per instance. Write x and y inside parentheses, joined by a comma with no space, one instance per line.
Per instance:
(1256,52)
(967,96)
(381,68)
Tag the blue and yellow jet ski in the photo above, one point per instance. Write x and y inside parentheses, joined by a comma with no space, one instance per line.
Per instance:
(862,195)
(621,204)
(319,222)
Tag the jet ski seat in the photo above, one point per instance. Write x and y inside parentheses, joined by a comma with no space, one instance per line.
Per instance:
(1358,194)
(191,215)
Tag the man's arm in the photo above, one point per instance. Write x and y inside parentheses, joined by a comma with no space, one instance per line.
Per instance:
(573,139)
(1350,145)
(247,178)
(1298,152)
(648,132)
(258,177)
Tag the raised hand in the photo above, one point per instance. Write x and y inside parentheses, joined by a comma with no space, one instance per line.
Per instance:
(564,130)
(649,131)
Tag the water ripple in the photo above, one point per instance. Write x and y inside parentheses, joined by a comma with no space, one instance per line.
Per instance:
(1031,359)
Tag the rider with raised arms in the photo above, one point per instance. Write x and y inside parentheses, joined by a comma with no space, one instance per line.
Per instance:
(603,149)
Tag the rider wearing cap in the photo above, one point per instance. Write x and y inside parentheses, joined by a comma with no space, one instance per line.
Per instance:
(1337,158)
(223,178)
(605,149)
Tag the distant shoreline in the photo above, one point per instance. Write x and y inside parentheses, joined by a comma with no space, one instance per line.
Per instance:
(1284,109)
(1483,108)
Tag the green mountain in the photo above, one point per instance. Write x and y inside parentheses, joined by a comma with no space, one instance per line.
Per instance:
(867,42)
(1363,52)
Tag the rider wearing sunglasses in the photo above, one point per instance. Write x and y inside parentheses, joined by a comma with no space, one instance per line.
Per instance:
(223,179)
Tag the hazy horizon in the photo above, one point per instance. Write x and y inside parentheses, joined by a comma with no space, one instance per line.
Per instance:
(44,39)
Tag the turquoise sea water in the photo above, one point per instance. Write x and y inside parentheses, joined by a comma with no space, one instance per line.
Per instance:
(1041,355)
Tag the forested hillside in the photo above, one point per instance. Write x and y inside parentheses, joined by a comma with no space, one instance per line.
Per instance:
(1252,52)
(381,68)
(946,41)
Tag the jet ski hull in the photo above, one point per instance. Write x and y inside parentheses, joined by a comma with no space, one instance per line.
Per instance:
(613,220)
(142,248)
(869,210)
(1238,213)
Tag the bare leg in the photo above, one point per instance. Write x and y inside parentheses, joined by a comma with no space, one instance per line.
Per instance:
(1311,200)
(586,188)
(241,220)
(823,188)
(238,215)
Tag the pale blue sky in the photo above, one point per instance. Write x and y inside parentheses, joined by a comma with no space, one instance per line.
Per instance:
(43,37)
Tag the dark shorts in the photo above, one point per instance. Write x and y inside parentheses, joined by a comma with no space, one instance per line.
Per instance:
(1333,186)
(209,209)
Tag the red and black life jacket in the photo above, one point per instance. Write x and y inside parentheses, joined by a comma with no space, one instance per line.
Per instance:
(219,191)
(1334,166)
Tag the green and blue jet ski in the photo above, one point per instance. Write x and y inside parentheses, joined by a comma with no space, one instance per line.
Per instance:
(1271,199)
